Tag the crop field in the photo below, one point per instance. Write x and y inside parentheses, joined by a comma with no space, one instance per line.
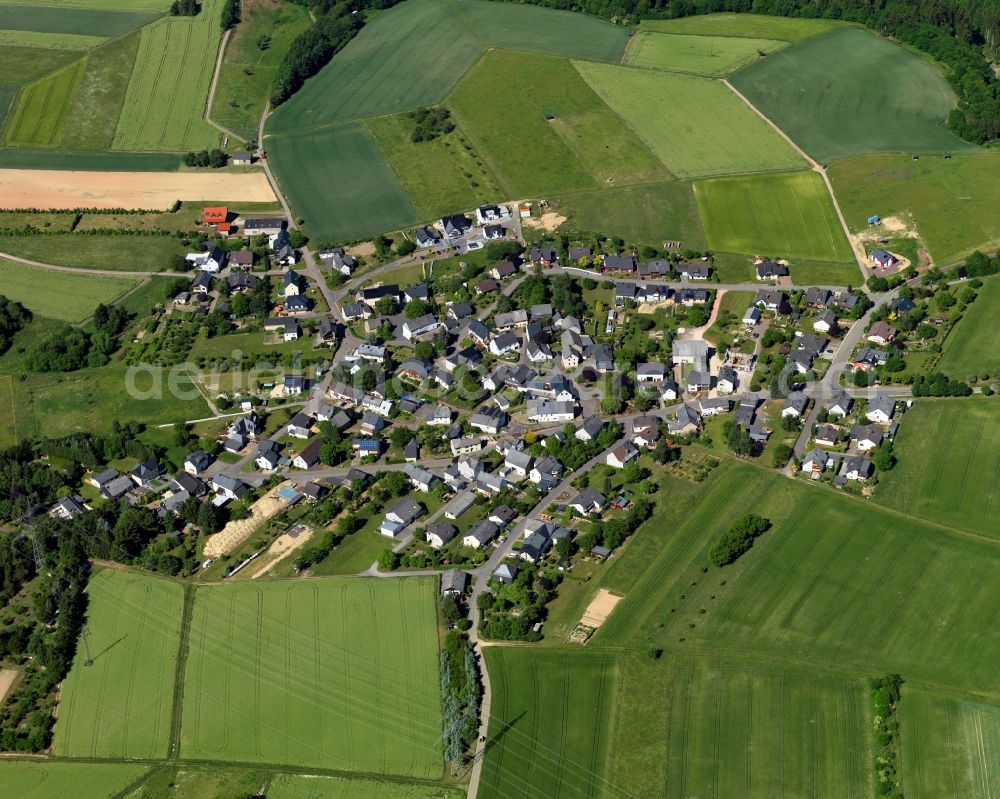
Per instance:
(970,349)
(695,125)
(948,470)
(836,581)
(952,201)
(68,297)
(289,672)
(441,175)
(27,779)
(42,106)
(549,723)
(289,786)
(789,29)
(951,747)
(159,6)
(165,100)
(20,65)
(247,70)
(731,729)
(120,705)
(850,92)
(408,56)
(509,26)
(125,253)
(368,198)
(22,158)
(584,144)
(786,215)
(648,214)
(76,21)
(702,55)
(50,41)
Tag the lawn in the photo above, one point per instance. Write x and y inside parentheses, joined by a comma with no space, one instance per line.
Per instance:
(249,65)
(368,199)
(441,176)
(732,302)
(702,55)
(290,672)
(970,349)
(582,146)
(949,470)
(786,215)
(120,706)
(91,21)
(952,202)
(69,297)
(951,747)
(699,727)
(41,107)
(288,786)
(357,551)
(225,346)
(407,56)
(850,92)
(837,583)
(165,100)
(510,26)
(695,125)
(40,779)
(649,214)
(550,718)
(127,253)
(789,29)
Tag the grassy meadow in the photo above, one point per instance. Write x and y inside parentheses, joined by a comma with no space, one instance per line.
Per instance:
(509,26)
(100,19)
(368,198)
(164,104)
(701,55)
(291,786)
(20,65)
(970,349)
(58,295)
(34,779)
(126,253)
(757,26)
(673,114)
(948,470)
(408,56)
(120,706)
(950,202)
(879,98)
(785,215)
(21,158)
(50,41)
(289,672)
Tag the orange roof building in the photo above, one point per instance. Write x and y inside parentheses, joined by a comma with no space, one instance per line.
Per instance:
(215,215)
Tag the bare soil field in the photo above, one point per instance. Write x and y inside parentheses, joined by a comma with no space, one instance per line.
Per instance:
(7,677)
(600,608)
(236,532)
(36,188)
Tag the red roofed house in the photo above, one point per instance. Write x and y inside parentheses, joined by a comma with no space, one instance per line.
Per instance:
(216,215)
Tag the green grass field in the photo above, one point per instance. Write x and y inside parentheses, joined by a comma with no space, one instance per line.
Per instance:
(709,727)
(695,125)
(289,672)
(288,786)
(648,214)
(785,215)
(368,199)
(94,108)
(18,158)
(159,6)
(42,780)
(951,747)
(510,26)
(408,56)
(952,202)
(164,104)
(583,146)
(91,21)
(41,107)
(850,92)
(948,470)
(125,253)
(970,349)
(789,29)
(240,97)
(434,174)
(20,65)
(701,55)
(549,723)
(49,41)
(69,297)
(120,705)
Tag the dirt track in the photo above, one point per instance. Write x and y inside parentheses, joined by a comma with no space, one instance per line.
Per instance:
(38,188)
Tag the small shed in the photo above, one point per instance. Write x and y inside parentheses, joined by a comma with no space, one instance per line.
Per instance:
(874,219)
